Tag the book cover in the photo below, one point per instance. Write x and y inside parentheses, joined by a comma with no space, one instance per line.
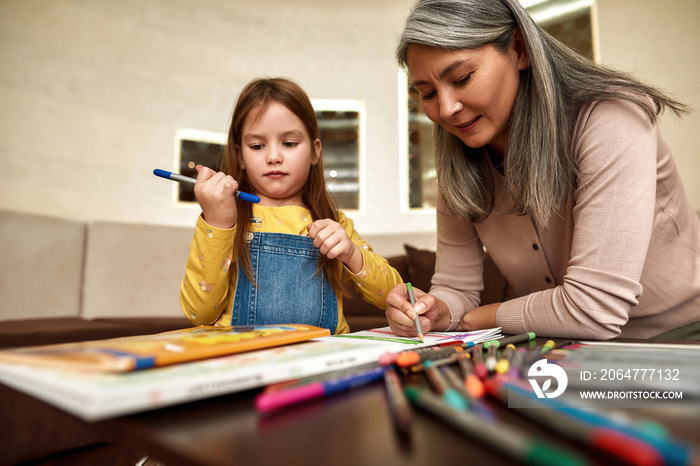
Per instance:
(161,349)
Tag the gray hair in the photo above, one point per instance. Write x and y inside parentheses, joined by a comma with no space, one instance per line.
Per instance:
(539,167)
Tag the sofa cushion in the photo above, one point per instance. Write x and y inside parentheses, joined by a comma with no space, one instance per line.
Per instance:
(134,270)
(421,266)
(42,268)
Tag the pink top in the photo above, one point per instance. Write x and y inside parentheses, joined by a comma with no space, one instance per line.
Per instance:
(621,258)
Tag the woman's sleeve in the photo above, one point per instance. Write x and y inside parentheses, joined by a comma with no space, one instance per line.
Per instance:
(458,278)
(615,150)
(204,290)
(377,277)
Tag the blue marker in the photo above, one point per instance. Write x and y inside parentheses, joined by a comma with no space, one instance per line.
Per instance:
(186,179)
(271,401)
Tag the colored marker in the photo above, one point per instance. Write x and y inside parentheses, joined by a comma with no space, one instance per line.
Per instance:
(491,358)
(474,404)
(398,403)
(266,402)
(286,384)
(547,346)
(449,394)
(410,358)
(186,179)
(609,441)
(504,362)
(472,383)
(530,358)
(454,382)
(516,363)
(502,437)
(416,317)
(413,357)
(510,340)
(479,367)
(420,367)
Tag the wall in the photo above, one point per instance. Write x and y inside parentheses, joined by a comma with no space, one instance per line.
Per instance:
(93,91)
(658,42)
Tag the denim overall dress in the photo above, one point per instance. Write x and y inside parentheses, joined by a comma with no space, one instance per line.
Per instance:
(289,288)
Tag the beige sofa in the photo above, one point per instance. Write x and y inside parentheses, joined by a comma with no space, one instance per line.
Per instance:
(63,268)
(65,280)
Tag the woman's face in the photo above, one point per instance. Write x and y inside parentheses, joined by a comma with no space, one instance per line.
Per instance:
(469,92)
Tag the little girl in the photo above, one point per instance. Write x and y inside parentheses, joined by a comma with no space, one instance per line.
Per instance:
(282,260)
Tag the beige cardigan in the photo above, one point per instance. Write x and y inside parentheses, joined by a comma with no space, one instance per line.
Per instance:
(621,258)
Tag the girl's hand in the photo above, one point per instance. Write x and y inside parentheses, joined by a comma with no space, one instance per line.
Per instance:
(479,318)
(331,240)
(433,313)
(215,193)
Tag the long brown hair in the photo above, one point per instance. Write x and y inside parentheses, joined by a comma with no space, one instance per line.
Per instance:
(254,99)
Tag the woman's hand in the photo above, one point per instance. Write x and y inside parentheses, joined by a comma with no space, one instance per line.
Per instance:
(215,193)
(434,314)
(332,240)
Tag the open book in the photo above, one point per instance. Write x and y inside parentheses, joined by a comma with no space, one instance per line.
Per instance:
(161,349)
(98,395)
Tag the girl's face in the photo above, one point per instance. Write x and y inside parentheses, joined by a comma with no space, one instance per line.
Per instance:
(277,153)
(469,92)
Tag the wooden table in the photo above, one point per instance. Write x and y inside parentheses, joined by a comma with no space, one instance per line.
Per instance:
(351,428)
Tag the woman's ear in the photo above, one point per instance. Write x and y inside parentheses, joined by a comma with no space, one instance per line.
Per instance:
(239,156)
(520,48)
(316,155)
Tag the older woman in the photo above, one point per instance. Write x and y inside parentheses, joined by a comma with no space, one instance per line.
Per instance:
(557,167)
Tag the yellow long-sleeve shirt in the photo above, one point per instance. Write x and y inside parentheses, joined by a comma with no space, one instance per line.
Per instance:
(207,289)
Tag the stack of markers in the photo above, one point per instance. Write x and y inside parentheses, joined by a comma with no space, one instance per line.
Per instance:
(457,398)
(459,379)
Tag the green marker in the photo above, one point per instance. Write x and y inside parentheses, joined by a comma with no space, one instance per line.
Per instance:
(512,339)
(416,317)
